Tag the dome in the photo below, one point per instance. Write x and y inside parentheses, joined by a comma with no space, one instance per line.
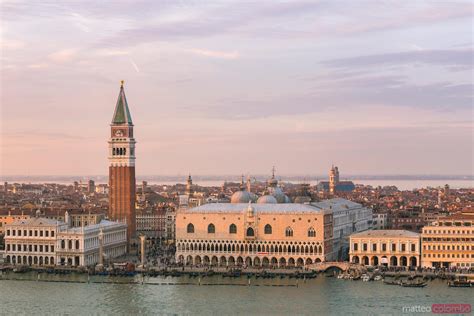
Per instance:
(267,199)
(241,197)
(278,194)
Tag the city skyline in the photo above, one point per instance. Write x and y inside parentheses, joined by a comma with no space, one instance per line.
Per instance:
(227,88)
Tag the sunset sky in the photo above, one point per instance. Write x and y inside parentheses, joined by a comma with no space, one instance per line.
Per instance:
(376,87)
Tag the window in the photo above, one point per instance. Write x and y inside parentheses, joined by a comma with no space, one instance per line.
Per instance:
(250,232)
(190,229)
(404,247)
(311,232)
(63,244)
(356,246)
(268,229)
(211,229)
(69,244)
(77,244)
(413,247)
(364,247)
(52,233)
(394,247)
(374,247)
(289,232)
(384,247)
(232,229)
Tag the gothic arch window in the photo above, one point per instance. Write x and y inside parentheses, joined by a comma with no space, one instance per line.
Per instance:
(63,244)
(311,232)
(211,229)
(250,232)
(289,232)
(232,229)
(77,244)
(268,229)
(190,229)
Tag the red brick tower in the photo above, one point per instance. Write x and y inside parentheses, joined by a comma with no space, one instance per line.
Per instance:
(122,167)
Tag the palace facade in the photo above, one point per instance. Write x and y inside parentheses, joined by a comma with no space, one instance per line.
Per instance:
(40,241)
(32,241)
(393,248)
(253,234)
(84,246)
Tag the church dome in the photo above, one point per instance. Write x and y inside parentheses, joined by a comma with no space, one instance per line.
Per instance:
(278,194)
(267,199)
(241,197)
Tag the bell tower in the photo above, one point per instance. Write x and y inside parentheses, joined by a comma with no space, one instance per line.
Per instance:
(122,167)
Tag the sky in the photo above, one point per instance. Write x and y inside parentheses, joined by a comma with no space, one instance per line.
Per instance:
(231,87)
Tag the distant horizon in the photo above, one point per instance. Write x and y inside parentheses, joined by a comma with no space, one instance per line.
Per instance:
(263,176)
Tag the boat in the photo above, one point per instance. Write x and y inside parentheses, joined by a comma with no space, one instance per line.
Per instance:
(459,284)
(378,278)
(20,269)
(365,278)
(419,284)
(391,282)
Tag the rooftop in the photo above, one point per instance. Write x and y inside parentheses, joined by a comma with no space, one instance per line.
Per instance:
(102,225)
(259,208)
(336,204)
(38,221)
(391,233)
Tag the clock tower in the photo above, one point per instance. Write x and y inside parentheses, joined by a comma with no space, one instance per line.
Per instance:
(122,167)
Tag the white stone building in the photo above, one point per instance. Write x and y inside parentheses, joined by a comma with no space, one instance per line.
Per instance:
(80,246)
(40,241)
(348,218)
(32,241)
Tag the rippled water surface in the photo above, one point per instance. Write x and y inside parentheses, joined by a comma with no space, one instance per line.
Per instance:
(316,297)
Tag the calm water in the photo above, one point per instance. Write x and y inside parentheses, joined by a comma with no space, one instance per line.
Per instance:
(316,297)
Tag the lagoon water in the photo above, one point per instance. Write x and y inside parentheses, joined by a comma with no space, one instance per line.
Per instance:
(169,295)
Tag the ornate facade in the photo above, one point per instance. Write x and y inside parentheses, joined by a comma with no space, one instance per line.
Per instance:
(122,184)
(83,246)
(32,241)
(239,234)
(40,241)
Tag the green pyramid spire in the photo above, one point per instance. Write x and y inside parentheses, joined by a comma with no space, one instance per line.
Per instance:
(122,113)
